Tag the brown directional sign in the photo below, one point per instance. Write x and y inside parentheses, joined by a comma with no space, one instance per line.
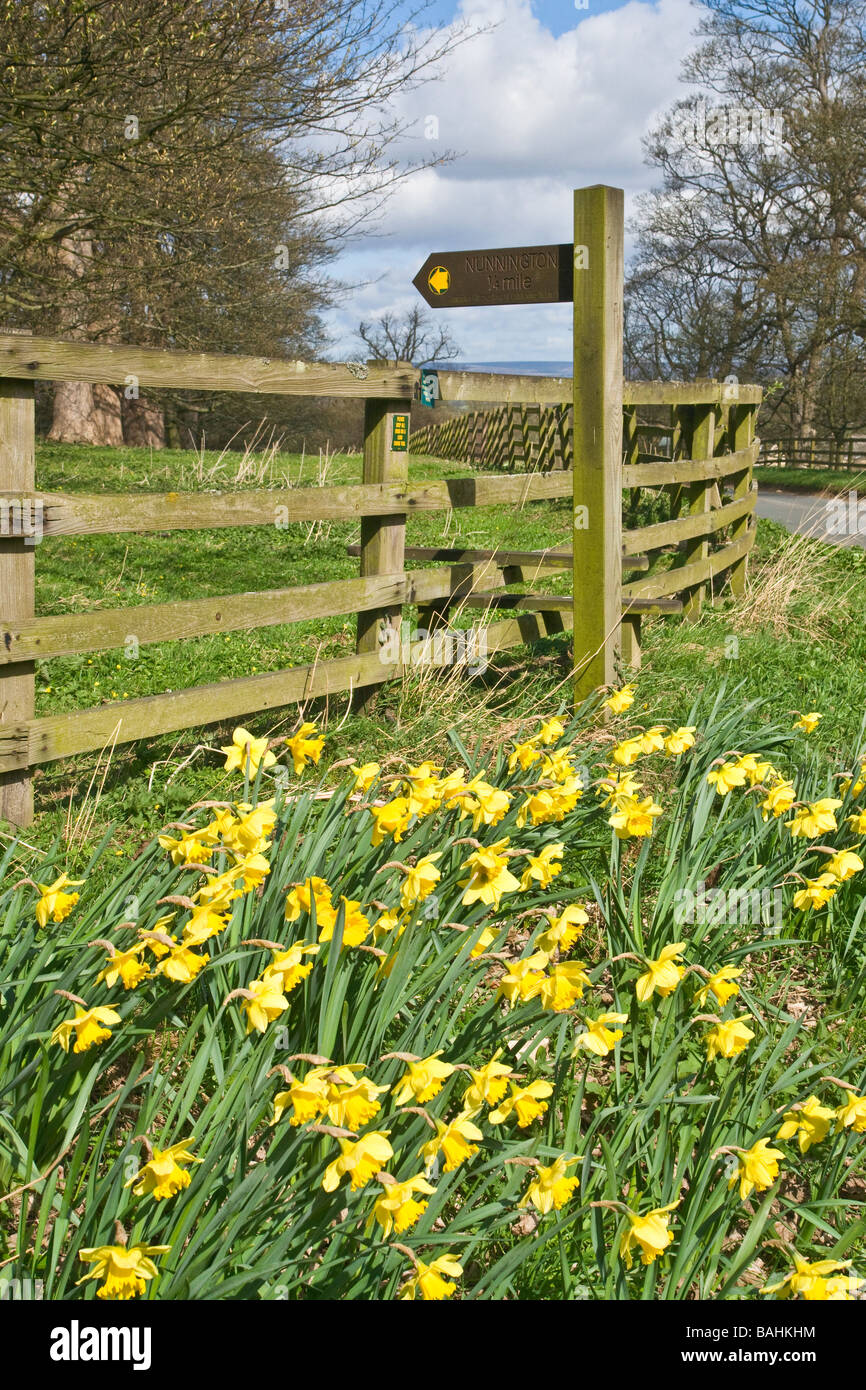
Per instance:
(508,275)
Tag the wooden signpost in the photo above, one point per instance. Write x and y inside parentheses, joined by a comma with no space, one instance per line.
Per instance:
(589,273)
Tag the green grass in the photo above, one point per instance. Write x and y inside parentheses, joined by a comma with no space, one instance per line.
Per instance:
(150,781)
(812,479)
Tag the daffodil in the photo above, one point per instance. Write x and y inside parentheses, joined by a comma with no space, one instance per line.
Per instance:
(808,723)
(650,1232)
(628,752)
(356,927)
(563,930)
(680,739)
(810,1122)
(305,747)
(549,1188)
(249,834)
(391,819)
(365,775)
(288,968)
(779,800)
(537,807)
(301,897)
(489,876)
(204,922)
(812,1282)
(620,700)
(489,1083)
(653,740)
(757,1168)
(55,903)
(125,966)
(186,848)
(522,980)
(721,984)
(397,1209)
(565,984)
(618,790)
(728,1039)
(422,1080)
(817,892)
(434,1281)
(89,1027)
(163,1175)
(726,777)
(181,964)
(457,1141)
(858,823)
(523,756)
(852,1115)
(634,817)
(420,880)
(266,1004)
(525,1102)
(844,864)
(247,754)
(599,1038)
(308,1098)
(485,803)
(541,868)
(360,1158)
(125,1270)
(816,819)
(550,731)
(352,1100)
(663,974)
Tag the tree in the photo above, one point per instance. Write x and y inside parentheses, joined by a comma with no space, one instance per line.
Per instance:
(751,254)
(410,337)
(177,172)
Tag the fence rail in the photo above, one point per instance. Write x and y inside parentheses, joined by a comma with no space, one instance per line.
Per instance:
(702,445)
(816,453)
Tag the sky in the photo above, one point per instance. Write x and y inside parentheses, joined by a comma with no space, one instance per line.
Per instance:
(553,98)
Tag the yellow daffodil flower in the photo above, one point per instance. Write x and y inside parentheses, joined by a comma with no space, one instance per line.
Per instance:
(599,1038)
(757,1168)
(288,968)
(779,800)
(125,966)
(663,974)
(541,868)
(728,1039)
(634,817)
(565,984)
(391,819)
(680,740)
(89,1028)
(422,1080)
(726,777)
(489,876)
(721,985)
(844,864)
(361,1158)
(420,881)
(55,903)
(454,1140)
(522,980)
(247,754)
(549,1188)
(488,1083)
(650,1232)
(356,927)
(817,892)
(852,1115)
(429,1281)
(807,722)
(162,1175)
(396,1210)
(816,819)
(301,897)
(812,1282)
(524,755)
(562,931)
(365,775)
(181,964)
(124,1269)
(267,1003)
(305,747)
(811,1123)
(186,849)
(620,700)
(628,752)
(525,1102)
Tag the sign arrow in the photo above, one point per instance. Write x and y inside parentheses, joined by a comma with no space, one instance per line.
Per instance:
(507,275)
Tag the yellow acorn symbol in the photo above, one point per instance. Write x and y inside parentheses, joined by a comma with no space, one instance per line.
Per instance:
(439,279)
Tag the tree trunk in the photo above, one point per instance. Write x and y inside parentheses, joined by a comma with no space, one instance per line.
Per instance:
(85,414)
(143,423)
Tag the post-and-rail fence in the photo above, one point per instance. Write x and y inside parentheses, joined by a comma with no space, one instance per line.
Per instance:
(704,447)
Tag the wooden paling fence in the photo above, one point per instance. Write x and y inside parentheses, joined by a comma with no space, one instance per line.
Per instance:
(711,445)
(816,453)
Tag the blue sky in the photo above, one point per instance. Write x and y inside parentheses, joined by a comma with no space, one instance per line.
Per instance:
(551,99)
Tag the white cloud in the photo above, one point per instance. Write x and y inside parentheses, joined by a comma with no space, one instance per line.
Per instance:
(534,116)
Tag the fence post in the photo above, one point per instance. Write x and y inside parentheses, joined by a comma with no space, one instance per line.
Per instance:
(597,435)
(743,432)
(701,443)
(17,577)
(383,538)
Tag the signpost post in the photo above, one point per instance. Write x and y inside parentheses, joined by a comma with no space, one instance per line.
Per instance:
(588,273)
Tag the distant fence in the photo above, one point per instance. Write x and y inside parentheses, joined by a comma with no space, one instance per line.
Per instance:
(816,453)
(528,436)
(710,445)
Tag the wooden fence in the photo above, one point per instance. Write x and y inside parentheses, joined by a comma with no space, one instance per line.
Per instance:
(710,445)
(816,453)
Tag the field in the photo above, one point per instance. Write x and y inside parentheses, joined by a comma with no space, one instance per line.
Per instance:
(477,1016)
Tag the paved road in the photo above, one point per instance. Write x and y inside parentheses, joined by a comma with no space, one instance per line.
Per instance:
(812,515)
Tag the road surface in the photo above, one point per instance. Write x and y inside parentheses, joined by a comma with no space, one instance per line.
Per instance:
(809,514)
